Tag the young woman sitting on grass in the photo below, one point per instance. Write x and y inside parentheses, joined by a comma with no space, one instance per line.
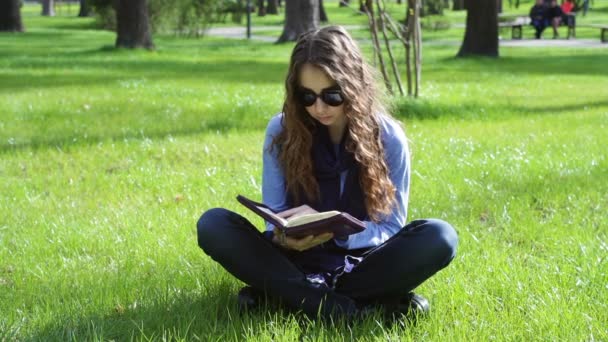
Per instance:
(333,147)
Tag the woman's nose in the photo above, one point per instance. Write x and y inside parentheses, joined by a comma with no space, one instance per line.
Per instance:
(319,105)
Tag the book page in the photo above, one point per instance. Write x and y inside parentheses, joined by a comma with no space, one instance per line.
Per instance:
(269,212)
(299,220)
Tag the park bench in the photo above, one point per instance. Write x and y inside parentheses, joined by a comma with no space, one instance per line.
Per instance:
(515,23)
(603,31)
(518,22)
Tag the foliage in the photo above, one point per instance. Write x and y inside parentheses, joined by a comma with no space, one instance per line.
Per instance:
(184,17)
(432,7)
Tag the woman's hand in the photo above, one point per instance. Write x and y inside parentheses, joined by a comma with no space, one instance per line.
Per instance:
(305,242)
(297,211)
(300,244)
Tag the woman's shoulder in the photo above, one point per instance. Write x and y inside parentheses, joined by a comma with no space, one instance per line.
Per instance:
(275,125)
(391,130)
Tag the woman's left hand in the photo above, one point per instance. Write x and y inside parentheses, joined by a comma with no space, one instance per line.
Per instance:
(297,211)
(300,244)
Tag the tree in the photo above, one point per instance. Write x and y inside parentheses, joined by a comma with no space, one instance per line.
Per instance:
(481,35)
(261,8)
(272,7)
(84,9)
(300,16)
(365,4)
(10,16)
(458,5)
(48,8)
(322,14)
(132,24)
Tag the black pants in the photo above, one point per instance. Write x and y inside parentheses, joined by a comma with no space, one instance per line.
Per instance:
(390,270)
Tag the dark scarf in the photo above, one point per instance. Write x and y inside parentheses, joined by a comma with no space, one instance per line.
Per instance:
(328,165)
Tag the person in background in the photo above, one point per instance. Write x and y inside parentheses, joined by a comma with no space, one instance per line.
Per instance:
(568,15)
(538,18)
(554,16)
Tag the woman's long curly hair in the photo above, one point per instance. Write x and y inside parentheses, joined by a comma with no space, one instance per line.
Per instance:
(334,51)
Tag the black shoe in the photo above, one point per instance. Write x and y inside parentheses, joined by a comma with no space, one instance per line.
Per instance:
(418,305)
(249,298)
(410,307)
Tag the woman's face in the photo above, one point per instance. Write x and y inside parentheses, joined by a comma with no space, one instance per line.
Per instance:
(314,79)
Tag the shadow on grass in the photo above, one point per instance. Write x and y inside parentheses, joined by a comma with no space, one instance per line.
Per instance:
(214,125)
(205,318)
(425,110)
(213,317)
(102,72)
(542,64)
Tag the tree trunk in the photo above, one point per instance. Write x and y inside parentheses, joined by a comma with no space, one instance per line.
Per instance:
(458,5)
(261,8)
(10,16)
(48,8)
(481,35)
(272,7)
(84,9)
(499,5)
(133,28)
(300,16)
(365,4)
(322,14)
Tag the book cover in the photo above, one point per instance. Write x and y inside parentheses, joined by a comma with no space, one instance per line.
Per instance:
(340,223)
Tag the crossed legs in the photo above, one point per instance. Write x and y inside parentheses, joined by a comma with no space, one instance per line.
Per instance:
(390,270)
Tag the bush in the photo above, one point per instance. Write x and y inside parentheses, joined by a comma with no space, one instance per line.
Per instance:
(430,7)
(183,17)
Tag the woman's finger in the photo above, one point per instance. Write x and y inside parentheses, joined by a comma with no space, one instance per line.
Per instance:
(289,212)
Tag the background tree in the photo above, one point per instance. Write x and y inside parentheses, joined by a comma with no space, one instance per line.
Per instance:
(48,8)
(84,9)
(432,7)
(272,7)
(322,14)
(481,35)
(300,16)
(10,16)
(516,2)
(261,8)
(132,24)
(458,5)
(365,4)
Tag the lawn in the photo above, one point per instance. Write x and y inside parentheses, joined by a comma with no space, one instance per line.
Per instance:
(109,157)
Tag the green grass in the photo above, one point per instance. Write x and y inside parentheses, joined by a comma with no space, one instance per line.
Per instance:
(109,157)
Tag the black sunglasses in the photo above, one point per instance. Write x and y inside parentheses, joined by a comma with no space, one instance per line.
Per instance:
(331,96)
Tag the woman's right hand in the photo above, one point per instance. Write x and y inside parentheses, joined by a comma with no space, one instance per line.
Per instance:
(299,244)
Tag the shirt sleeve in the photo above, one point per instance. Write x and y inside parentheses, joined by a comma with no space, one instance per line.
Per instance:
(274,194)
(397,158)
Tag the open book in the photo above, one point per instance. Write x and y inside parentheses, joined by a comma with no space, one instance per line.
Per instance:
(339,223)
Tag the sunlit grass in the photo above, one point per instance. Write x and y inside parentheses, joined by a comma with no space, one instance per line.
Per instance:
(109,157)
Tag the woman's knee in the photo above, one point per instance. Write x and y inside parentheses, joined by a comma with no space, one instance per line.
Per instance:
(444,239)
(209,226)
